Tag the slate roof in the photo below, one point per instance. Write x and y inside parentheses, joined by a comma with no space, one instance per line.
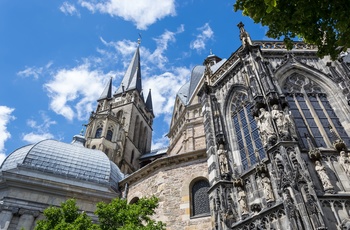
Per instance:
(132,77)
(187,90)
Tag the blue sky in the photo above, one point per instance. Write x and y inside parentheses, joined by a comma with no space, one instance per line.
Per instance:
(56,57)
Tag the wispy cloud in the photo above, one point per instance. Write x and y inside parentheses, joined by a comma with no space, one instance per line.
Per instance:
(158,57)
(73,91)
(164,88)
(199,43)
(69,9)
(142,13)
(160,142)
(41,130)
(5,118)
(34,71)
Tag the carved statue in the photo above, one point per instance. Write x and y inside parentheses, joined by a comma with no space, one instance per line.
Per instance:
(222,155)
(313,210)
(344,162)
(283,122)
(278,116)
(322,174)
(242,200)
(292,212)
(266,184)
(264,122)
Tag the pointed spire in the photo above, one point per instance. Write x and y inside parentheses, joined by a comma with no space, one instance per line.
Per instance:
(149,104)
(132,77)
(107,92)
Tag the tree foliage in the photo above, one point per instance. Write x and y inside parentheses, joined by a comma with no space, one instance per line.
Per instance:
(324,23)
(66,217)
(117,215)
(122,216)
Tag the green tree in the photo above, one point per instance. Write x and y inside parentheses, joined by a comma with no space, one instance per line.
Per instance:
(117,215)
(66,217)
(324,23)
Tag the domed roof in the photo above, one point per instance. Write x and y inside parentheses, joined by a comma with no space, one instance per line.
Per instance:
(68,160)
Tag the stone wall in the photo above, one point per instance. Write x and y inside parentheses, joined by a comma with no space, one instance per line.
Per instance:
(171,184)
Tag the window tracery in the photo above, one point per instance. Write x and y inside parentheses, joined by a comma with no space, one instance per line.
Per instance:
(312,112)
(246,131)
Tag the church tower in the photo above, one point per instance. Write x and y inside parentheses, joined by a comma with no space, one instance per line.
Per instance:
(121,126)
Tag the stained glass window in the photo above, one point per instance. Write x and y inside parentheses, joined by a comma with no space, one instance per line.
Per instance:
(312,112)
(246,131)
(98,133)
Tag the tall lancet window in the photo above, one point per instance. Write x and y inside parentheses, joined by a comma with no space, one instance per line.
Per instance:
(312,112)
(246,131)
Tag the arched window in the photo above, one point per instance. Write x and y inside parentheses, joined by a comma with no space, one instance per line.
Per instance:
(200,198)
(134,200)
(312,112)
(98,133)
(109,135)
(246,131)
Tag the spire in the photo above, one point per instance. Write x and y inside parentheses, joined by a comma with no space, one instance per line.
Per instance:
(149,104)
(132,77)
(107,92)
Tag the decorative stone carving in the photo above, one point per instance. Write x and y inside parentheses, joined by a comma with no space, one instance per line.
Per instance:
(285,126)
(313,210)
(292,212)
(264,122)
(344,162)
(322,174)
(266,184)
(223,162)
(241,194)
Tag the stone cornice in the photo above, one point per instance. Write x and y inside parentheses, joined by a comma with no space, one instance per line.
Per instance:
(161,163)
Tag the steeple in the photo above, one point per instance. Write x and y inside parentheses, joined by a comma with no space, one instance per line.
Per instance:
(149,104)
(132,77)
(107,92)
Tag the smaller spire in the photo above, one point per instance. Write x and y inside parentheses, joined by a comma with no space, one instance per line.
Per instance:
(107,92)
(149,104)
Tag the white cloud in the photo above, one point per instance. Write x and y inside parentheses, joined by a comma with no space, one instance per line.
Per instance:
(5,118)
(142,13)
(164,88)
(74,91)
(158,57)
(69,9)
(206,33)
(34,71)
(160,142)
(41,129)
(35,137)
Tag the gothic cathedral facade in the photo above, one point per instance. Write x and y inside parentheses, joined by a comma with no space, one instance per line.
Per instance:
(257,141)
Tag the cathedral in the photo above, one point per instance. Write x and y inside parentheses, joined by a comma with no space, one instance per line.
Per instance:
(258,140)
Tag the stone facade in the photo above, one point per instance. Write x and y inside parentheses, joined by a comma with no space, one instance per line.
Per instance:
(259,140)
(169,179)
